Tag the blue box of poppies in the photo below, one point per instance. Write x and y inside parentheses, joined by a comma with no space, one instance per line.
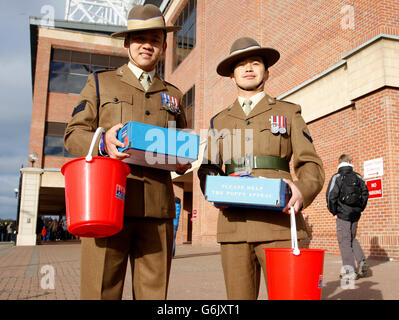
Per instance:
(157,147)
(258,193)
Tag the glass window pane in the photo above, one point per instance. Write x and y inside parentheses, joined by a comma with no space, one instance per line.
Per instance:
(61,55)
(58,82)
(53,146)
(79,68)
(58,66)
(185,40)
(76,83)
(189,116)
(80,57)
(100,60)
(55,128)
(116,62)
(185,14)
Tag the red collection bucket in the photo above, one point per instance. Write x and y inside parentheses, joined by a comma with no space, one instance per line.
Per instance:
(293,273)
(294,277)
(95,191)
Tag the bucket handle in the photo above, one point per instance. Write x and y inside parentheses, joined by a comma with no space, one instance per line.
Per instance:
(294,239)
(99,131)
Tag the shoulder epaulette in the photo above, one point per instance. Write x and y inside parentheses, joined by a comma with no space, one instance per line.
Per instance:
(95,73)
(289,102)
(213,118)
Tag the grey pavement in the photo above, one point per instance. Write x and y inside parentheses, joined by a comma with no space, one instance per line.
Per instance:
(26,273)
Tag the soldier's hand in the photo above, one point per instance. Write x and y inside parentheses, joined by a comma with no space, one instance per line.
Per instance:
(182,168)
(296,199)
(111,143)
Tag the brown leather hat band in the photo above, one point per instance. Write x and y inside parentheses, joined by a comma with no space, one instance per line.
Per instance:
(155,22)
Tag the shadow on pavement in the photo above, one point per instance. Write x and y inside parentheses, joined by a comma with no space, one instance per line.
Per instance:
(361,291)
(196,255)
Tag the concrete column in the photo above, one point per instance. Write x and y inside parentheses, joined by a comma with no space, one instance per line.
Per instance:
(30,189)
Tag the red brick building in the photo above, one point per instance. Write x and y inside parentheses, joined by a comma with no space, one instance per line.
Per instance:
(339,61)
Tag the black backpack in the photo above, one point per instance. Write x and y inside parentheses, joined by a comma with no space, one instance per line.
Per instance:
(351,190)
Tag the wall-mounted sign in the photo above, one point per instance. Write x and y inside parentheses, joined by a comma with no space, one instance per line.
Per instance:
(375,188)
(373,168)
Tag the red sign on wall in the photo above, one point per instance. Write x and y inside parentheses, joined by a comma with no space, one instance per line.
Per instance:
(375,188)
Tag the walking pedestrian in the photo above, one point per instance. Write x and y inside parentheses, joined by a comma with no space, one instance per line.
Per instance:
(347,197)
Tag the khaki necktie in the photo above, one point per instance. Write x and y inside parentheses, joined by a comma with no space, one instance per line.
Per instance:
(247,106)
(145,80)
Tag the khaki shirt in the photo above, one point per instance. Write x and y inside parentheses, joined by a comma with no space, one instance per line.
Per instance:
(225,141)
(123,99)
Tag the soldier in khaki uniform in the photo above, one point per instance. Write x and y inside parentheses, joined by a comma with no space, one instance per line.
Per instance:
(134,92)
(275,132)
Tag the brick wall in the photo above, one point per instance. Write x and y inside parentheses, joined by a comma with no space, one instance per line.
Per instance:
(367,130)
(311,35)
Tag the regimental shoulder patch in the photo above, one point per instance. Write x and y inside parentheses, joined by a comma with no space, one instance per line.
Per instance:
(307,136)
(79,108)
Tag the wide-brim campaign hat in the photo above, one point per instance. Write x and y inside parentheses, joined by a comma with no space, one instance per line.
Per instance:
(243,48)
(142,18)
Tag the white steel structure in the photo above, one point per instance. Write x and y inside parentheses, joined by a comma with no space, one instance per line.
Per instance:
(113,12)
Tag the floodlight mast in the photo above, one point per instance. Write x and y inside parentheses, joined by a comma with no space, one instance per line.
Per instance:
(112,12)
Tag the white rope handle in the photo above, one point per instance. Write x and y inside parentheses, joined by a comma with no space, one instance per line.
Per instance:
(99,131)
(294,239)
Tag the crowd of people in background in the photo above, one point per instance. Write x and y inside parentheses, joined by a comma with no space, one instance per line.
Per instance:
(7,231)
(49,229)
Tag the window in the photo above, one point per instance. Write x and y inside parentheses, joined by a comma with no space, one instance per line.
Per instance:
(54,140)
(160,68)
(189,102)
(69,69)
(184,39)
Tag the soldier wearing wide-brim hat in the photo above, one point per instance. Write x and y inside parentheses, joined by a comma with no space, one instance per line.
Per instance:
(144,18)
(133,92)
(279,134)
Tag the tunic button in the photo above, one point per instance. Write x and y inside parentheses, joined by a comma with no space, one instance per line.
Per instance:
(147,113)
(116,99)
(147,95)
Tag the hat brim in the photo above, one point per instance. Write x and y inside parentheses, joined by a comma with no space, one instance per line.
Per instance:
(226,66)
(122,34)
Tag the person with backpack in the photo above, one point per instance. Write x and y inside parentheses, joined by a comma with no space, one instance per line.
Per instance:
(347,196)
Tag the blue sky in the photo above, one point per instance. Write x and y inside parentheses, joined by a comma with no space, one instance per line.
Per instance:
(16,92)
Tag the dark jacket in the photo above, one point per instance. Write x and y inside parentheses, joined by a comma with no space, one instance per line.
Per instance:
(335,206)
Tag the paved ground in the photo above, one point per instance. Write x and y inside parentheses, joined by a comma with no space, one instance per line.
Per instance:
(196,275)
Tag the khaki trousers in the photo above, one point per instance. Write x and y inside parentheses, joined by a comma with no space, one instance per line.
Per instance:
(242,263)
(147,242)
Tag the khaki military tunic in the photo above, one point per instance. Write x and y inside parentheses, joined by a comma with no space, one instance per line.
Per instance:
(243,232)
(147,235)
(228,128)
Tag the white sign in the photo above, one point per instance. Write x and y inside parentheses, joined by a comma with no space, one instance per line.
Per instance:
(373,168)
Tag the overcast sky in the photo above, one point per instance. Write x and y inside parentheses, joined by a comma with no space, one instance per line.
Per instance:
(16,92)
